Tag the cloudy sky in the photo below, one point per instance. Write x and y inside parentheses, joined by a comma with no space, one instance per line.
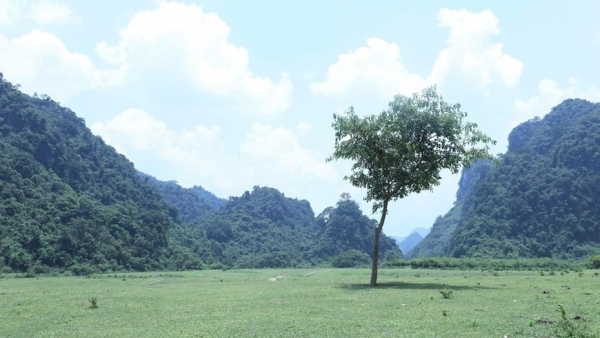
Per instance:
(233,94)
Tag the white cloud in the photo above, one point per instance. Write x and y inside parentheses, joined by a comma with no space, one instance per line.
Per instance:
(550,95)
(197,155)
(40,62)
(190,154)
(10,11)
(184,40)
(470,50)
(469,53)
(304,128)
(377,67)
(279,150)
(46,12)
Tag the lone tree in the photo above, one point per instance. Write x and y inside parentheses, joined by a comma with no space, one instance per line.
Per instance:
(403,149)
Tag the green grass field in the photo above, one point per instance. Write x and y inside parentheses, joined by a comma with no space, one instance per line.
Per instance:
(304,303)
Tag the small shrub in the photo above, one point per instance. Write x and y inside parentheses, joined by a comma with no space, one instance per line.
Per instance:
(93,303)
(570,328)
(68,273)
(446,294)
(551,273)
(28,274)
(444,313)
(83,269)
(216,266)
(351,259)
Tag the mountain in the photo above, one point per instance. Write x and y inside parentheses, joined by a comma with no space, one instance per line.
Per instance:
(407,243)
(410,242)
(193,204)
(343,228)
(68,200)
(541,198)
(261,228)
(210,198)
(436,243)
(421,231)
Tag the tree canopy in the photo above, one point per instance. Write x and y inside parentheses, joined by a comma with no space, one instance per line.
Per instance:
(403,149)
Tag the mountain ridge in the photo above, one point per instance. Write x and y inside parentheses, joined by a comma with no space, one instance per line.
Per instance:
(538,201)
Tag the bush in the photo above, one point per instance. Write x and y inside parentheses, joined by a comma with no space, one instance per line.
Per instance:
(216,266)
(93,303)
(84,269)
(448,263)
(400,263)
(567,327)
(351,259)
(594,262)
(446,294)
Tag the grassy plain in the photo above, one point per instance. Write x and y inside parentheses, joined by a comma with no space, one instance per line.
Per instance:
(303,303)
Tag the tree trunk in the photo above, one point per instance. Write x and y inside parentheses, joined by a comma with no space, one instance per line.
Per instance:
(376,245)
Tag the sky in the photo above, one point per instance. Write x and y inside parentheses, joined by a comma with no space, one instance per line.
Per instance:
(230,95)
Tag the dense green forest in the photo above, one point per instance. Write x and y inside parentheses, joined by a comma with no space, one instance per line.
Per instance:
(193,203)
(541,200)
(263,228)
(344,227)
(70,201)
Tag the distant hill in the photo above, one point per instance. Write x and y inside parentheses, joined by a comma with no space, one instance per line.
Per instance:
(343,228)
(421,231)
(410,242)
(407,243)
(541,199)
(193,204)
(261,228)
(437,242)
(214,201)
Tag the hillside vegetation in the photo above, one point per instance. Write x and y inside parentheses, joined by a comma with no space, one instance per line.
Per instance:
(70,201)
(540,201)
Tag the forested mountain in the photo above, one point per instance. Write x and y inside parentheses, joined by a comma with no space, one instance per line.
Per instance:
(344,227)
(408,243)
(193,204)
(69,201)
(542,198)
(261,228)
(437,242)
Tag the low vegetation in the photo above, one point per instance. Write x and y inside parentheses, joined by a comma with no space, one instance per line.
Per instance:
(302,302)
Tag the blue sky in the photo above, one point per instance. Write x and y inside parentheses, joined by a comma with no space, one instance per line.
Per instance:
(230,94)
